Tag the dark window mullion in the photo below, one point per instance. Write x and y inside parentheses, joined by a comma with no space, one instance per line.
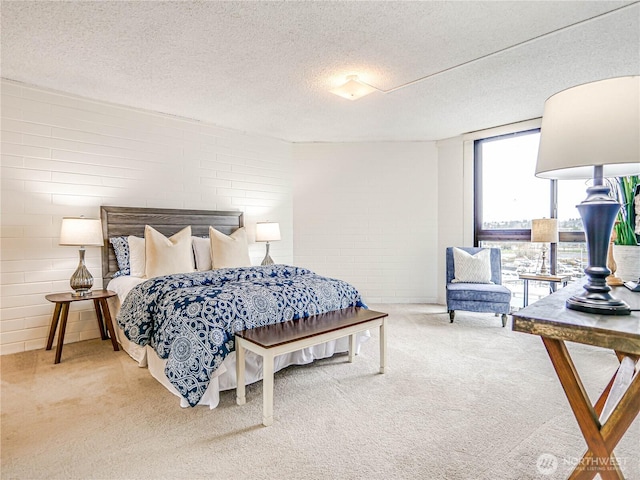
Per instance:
(553,201)
(477,195)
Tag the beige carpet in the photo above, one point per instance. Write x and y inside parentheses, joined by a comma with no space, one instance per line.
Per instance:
(469,400)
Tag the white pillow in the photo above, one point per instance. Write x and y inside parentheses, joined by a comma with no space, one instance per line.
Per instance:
(229,251)
(165,256)
(136,256)
(202,253)
(471,268)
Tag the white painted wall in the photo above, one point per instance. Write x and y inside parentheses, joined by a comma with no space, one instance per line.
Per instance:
(452,198)
(368,213)
(65,156)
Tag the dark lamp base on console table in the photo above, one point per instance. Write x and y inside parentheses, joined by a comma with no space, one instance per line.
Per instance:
(598,212)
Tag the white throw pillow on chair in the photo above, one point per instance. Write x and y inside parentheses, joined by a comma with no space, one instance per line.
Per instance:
(471,268)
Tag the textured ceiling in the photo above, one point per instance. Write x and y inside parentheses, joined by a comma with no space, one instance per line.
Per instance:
(267,67)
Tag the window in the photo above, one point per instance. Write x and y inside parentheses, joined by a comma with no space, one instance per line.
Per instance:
(508,196)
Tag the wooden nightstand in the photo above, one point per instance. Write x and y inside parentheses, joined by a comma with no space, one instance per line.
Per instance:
(63,300)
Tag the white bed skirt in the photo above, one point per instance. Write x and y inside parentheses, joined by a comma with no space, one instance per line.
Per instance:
(225,376)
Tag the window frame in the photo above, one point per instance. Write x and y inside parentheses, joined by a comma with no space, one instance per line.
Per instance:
(481,234)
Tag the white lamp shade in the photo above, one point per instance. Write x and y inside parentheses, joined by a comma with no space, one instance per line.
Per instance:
(81,232)
(267,232)
(593,124)
(544,230)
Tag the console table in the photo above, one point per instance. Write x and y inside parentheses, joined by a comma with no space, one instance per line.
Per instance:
(605,422)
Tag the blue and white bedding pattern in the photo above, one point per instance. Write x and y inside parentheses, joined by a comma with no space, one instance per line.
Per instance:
(190,319)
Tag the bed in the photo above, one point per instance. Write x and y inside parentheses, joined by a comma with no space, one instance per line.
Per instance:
(161,321)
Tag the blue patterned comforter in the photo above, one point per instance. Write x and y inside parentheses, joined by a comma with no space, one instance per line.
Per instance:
(191,319)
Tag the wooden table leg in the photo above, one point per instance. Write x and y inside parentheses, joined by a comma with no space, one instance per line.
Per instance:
(63,328)
(54,324)
(109,323)
(620,419)
(601,439)
(599,405)
(96,304)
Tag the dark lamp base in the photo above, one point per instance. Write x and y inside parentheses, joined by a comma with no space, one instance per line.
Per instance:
(610,306)
(598,212)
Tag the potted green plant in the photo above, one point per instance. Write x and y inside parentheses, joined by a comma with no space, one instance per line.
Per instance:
(625,190)
(626,250)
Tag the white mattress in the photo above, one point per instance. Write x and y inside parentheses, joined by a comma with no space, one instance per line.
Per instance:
(225,376)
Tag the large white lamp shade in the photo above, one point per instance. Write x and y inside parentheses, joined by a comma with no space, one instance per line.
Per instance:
(592,124)
(592,131)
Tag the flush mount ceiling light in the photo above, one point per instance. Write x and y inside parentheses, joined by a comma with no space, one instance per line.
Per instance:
(353,89)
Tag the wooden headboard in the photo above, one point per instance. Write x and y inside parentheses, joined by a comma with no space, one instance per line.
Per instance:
(124,221)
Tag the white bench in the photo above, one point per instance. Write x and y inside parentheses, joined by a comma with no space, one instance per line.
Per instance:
(270,341)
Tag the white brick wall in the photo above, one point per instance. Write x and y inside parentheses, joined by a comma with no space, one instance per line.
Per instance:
(65,156)
(375,214)
(367,213)
(453,196)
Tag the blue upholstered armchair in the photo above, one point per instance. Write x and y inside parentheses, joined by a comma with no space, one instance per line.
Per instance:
(478,297)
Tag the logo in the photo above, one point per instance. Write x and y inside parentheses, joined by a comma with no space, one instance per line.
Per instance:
(547,464)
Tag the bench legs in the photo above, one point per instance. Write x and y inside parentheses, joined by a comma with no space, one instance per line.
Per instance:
(268,357)
(240,388)
(352,347)
(267,381)
(383,345)
(267,390)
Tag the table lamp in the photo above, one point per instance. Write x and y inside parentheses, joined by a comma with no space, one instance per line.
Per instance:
(267,232)
(592,131)
(82,232)
(544,230)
